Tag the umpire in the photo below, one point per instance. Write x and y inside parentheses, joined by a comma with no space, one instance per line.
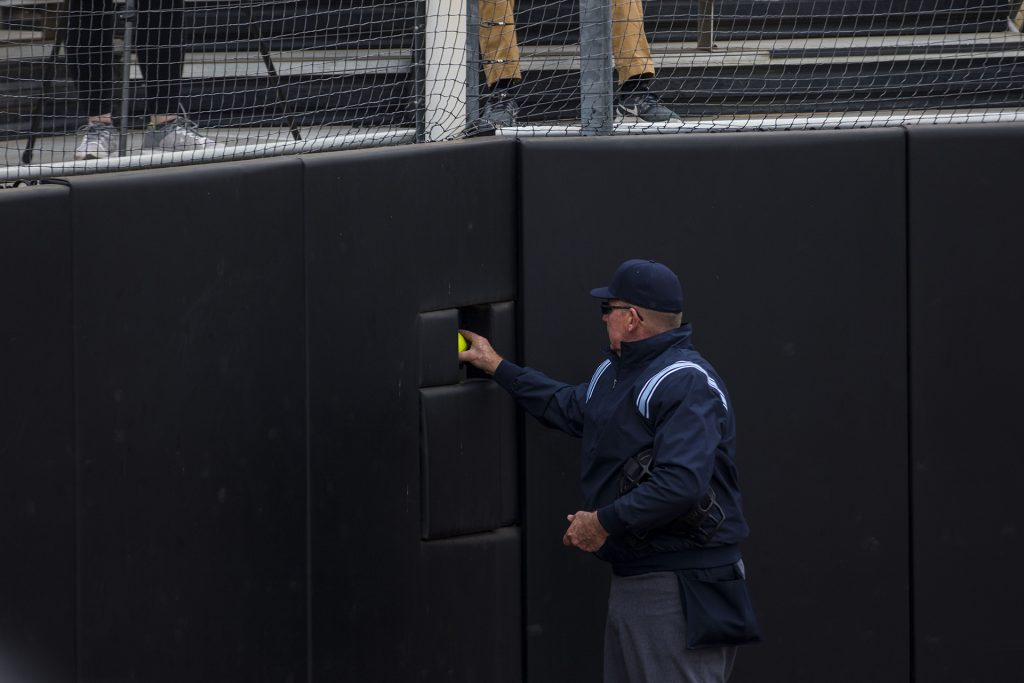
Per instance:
(661,498)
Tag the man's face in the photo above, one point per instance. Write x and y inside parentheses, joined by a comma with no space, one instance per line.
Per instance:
(618,319)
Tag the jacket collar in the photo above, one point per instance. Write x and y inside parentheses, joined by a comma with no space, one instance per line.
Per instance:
(644,351)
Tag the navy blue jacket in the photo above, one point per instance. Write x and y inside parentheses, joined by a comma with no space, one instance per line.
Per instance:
(661,394)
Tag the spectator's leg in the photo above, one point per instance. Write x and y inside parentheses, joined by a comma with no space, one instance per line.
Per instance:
(161,51)
(635,67)
(629,43)
(499,49)
(90,50)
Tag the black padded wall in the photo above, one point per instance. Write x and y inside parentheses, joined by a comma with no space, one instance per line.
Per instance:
(37,472)
(467,459)
(187,352)
(791,252)
(415,561)
(189,304)
(967,294)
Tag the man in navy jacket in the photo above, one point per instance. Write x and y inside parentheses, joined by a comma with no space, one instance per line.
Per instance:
(660,493)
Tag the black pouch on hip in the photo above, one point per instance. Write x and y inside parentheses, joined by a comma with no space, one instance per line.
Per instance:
(717,606)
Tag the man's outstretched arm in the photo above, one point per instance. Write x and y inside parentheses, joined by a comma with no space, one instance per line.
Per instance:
(554,403)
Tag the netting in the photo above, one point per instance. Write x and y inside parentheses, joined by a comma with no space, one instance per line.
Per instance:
(212,79)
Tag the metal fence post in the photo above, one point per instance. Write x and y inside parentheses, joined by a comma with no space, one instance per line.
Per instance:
(130,19)
(472,60)
(445,68)
(596,67)
(419,68)
(706,27)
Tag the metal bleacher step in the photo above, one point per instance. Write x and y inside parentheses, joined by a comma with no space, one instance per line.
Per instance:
(21,46)
(233,25)
(686,55)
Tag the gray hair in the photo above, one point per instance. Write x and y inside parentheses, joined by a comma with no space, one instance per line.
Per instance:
(660,321)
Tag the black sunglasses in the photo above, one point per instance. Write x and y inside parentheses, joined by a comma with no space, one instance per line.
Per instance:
(607,308)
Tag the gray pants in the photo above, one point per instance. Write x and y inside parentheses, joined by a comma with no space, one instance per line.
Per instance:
(645,636)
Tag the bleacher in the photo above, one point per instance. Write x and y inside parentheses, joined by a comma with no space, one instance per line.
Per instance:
(352,63)
(802,56)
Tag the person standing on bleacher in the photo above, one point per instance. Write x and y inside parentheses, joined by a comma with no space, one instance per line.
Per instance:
(159,47)
(499,52)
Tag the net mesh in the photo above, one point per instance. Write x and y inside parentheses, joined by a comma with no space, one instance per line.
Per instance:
(279,76)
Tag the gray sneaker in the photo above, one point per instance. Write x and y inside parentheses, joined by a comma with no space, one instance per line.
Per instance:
(178,135)
(99,141)
(643,105)
(500,108)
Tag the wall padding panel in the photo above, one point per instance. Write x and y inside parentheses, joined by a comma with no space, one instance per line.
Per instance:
(792,254)
(472,580)
(437,337)
(967,294)
(468,449)
(497,322)
(37,468)
(189,297)
(396,236)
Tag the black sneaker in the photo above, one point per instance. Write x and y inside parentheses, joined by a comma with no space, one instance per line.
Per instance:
(640,104)
(500,108)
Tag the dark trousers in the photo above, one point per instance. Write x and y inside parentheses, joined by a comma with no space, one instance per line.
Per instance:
(158,42)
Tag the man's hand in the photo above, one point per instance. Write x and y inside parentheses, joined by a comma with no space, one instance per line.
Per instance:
(480,354)
(585,532)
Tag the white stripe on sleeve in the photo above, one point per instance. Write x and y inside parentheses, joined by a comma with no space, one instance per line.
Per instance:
(643,401)
(597,375)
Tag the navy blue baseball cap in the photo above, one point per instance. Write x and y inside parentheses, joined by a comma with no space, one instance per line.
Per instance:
(644,283)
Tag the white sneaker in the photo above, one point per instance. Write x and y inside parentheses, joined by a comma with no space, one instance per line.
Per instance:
(99,141)
(178,135)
